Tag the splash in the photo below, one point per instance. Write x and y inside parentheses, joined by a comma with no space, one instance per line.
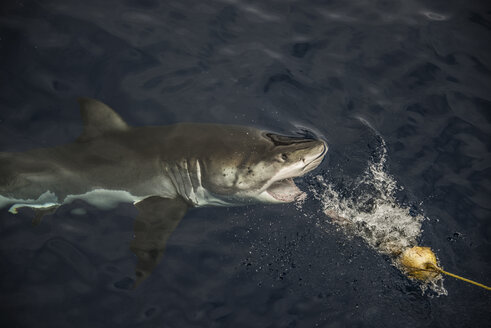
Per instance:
(368,208)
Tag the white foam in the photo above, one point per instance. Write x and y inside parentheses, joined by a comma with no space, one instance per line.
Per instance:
(374,215)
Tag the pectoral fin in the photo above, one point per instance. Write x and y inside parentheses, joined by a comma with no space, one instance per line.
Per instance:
(157,219)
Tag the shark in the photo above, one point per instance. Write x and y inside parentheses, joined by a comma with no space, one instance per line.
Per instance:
(162,170)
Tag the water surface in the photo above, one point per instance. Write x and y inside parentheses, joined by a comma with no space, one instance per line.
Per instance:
(419,73)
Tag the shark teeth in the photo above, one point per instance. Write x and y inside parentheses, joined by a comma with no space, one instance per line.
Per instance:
(284,190)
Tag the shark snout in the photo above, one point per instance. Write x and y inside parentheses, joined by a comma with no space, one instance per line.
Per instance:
(325,147)
(316,148)
(314,156)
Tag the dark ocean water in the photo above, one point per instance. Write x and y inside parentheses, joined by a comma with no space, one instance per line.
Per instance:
(418,72)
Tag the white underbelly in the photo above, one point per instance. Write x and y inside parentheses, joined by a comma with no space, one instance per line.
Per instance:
(100,198)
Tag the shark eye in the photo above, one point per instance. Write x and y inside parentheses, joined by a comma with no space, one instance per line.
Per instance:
(282,157)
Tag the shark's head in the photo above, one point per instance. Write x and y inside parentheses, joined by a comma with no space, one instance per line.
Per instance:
(258,166)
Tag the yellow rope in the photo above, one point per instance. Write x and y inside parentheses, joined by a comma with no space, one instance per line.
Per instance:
(432,268)
(459,277)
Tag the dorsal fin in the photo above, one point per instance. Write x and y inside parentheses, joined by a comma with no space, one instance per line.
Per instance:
(98,118)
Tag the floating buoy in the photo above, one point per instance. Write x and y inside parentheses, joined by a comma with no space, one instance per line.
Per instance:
(420,263)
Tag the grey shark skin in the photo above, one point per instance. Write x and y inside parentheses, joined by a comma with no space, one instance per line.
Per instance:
(163,170)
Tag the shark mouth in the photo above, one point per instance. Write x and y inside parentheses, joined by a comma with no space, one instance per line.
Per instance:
(285,191)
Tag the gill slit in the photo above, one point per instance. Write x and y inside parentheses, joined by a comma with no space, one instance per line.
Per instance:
(198,173)
(192,193)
